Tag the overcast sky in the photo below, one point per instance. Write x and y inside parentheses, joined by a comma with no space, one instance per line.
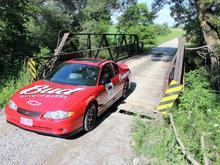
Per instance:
(163,15)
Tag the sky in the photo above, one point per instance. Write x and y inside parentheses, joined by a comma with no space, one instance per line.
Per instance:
(163,15)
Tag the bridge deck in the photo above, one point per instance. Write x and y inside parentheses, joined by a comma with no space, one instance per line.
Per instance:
(148,72)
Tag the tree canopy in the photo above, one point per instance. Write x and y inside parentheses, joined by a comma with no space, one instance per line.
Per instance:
(138,19)
(201,18)
(27,26)
(136,14)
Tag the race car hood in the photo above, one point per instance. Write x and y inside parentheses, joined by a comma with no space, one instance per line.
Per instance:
(44,96)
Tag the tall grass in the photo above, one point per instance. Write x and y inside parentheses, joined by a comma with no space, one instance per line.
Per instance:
(156,142)
(12,85)
(196,115)
(174,33)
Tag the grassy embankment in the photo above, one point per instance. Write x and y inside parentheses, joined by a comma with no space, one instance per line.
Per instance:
(8,87)
(197,116)
(174,33)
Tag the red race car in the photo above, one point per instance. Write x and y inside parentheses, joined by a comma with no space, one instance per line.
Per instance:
(70,98)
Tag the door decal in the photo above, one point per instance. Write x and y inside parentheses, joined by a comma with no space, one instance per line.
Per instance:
(110,90)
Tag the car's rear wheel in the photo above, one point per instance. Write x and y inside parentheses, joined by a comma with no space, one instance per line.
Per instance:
(90,117)
(125,89)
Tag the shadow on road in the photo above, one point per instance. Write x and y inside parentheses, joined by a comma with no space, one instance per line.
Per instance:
(162,53)
(107,113)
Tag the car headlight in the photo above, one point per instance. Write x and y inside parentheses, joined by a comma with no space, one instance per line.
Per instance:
(58,114)
(12,105)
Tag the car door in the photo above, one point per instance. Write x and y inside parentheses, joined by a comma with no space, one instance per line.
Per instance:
(118,84)
(107,76)
(107,86)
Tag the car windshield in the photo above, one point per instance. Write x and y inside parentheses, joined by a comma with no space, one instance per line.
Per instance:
(74,74)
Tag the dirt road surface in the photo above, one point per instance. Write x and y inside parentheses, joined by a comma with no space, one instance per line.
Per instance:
(109,142)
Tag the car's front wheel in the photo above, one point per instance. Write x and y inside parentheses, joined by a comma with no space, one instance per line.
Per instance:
(90,117)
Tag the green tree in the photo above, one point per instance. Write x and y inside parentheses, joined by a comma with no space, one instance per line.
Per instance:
(137,19)
(135,15)
(50,17)
(14,15)
(26,26)
(95,17)
(198,16)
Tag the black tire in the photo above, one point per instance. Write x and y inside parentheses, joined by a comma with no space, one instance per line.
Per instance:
(125,90)
(90,117)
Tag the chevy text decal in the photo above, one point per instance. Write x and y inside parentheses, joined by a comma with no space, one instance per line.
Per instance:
(45,89)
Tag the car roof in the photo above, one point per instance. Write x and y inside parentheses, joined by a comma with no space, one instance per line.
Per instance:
(88,61)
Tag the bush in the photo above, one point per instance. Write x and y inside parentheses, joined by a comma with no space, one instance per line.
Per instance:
(40,58)
(11,86)
(148,34)
(198,113)
(156,142)
(160,30)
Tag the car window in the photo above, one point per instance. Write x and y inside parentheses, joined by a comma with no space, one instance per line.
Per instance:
(115,66)
(107,72)
(74,74)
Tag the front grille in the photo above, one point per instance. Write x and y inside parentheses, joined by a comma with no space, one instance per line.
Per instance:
(28,113)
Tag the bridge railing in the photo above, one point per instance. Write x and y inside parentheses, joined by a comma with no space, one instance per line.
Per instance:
(176,69)
(90,45)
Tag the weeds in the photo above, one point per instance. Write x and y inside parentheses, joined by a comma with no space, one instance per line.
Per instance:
(155,141)
(12,85)
(197,113)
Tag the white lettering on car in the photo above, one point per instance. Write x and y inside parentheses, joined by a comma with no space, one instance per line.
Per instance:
(48,90)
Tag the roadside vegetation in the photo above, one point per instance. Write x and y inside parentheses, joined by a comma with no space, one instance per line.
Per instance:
(154,143)
(174,33)
(196,114)
(13,84)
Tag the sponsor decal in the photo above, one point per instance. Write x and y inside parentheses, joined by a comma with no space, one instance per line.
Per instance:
(110,90)
(123,76)
(34,102)
(43,96)
(45,89)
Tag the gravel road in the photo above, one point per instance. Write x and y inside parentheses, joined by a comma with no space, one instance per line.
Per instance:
(107,144)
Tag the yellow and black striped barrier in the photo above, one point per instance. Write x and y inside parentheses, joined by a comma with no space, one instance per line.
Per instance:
(32,68)
(170,96)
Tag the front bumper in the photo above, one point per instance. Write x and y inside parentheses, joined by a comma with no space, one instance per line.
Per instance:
(42,125)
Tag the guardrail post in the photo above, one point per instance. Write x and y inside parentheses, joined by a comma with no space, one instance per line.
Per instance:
(179,61)
(32,68)
(175,73)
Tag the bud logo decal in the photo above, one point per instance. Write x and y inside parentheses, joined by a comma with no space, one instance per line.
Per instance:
(45,89)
